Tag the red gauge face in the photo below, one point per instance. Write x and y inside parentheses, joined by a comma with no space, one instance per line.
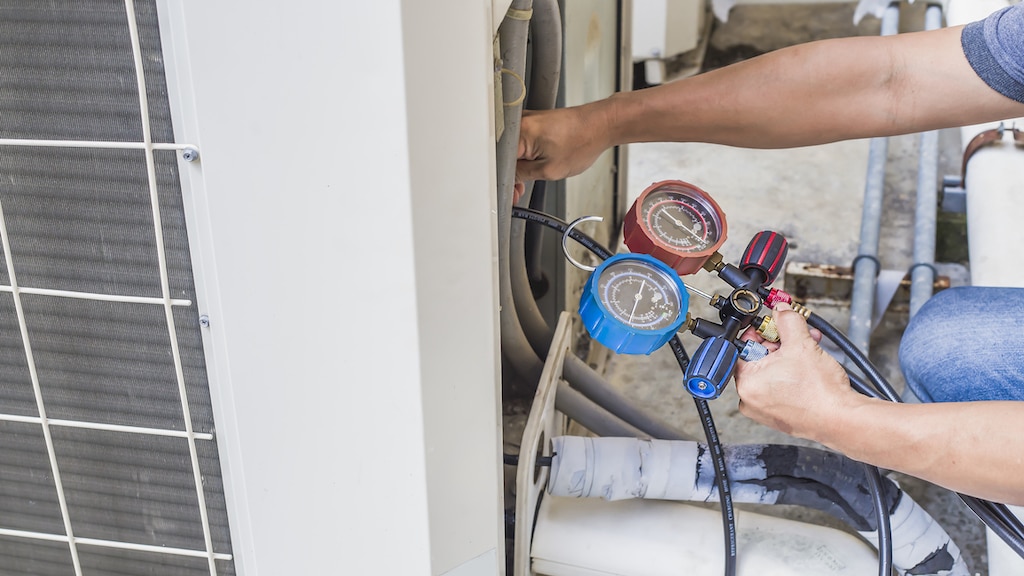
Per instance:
(681,221)
(677,223)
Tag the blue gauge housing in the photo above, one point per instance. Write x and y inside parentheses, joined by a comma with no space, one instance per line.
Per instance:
(627,280)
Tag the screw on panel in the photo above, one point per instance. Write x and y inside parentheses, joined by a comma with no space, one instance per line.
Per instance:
(204,321)
(190,154)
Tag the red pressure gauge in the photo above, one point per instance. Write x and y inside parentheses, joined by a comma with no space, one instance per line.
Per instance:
(677,223)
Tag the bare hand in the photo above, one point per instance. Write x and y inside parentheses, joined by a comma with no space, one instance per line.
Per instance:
(556,144)
(798,388)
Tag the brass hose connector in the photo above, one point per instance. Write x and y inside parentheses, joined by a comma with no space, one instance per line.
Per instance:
(714,263)
(800,309)
(768,330)
(688,324)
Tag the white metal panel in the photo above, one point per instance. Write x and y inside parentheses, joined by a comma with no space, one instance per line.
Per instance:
(662,28)
(347,417)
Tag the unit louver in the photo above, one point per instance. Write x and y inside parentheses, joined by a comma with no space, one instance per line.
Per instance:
(108,462)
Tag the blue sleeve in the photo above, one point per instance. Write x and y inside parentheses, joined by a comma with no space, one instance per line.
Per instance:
(995,49)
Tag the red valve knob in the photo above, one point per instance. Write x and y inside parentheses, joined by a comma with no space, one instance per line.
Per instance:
(767,253)
(775,296)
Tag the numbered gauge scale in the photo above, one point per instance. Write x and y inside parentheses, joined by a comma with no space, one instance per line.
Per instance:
(633,304)
(677,223)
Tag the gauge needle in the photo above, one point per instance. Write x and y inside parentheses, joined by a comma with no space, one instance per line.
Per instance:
(636,300)
(683,226)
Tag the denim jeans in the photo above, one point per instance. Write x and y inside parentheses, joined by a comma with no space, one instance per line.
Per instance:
(966,344)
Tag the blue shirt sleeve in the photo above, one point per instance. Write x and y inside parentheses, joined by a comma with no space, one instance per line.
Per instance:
(995,49)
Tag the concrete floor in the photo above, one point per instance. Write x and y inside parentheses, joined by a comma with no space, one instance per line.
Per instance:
(813,196)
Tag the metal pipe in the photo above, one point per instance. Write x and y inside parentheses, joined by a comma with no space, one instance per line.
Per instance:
(866,265)
(922,275)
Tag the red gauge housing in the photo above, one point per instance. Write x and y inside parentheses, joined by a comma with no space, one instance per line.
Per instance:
(677,223)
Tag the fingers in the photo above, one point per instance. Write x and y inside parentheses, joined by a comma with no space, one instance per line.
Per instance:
(791,326)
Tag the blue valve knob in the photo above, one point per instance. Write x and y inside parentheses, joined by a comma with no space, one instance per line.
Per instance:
(711,368)
(633,304)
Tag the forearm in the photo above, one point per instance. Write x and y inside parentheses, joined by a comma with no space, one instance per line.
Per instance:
(815,93)
(972,447)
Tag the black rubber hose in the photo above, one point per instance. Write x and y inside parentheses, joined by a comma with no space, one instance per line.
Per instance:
(854,354)
(858,384)
(882,520)
(534,241)
(561,226)
(995,515)
(718,459)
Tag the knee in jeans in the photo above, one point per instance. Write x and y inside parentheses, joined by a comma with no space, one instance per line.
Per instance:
(929,341)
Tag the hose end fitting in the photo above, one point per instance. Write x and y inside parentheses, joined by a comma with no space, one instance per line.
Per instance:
(775,296)
(768,330)
(753,351)
(801,309)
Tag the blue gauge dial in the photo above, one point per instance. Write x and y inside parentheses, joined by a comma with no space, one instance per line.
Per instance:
(633,304)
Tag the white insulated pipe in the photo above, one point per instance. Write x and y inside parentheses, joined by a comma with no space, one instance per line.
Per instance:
(630,468)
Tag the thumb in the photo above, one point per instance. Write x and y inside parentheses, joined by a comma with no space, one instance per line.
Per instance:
(791,325)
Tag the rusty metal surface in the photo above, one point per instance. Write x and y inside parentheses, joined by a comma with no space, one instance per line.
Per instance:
(810,281)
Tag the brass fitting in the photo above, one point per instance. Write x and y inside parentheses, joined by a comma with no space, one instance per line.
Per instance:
(800,309)
(714,263)
(768,330)
(689,324)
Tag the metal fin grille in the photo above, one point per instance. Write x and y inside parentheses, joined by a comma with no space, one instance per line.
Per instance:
(108,462)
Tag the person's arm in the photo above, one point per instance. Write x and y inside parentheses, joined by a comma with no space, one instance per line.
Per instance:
(976,448)
(802,95)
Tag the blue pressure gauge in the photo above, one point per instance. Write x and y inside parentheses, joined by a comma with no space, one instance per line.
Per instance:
(633,303)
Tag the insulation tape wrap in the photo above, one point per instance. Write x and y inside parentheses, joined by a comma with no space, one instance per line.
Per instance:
(631,468)
(919,543)
(623,468)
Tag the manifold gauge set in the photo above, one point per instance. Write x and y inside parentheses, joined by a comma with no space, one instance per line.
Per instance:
(634,303)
